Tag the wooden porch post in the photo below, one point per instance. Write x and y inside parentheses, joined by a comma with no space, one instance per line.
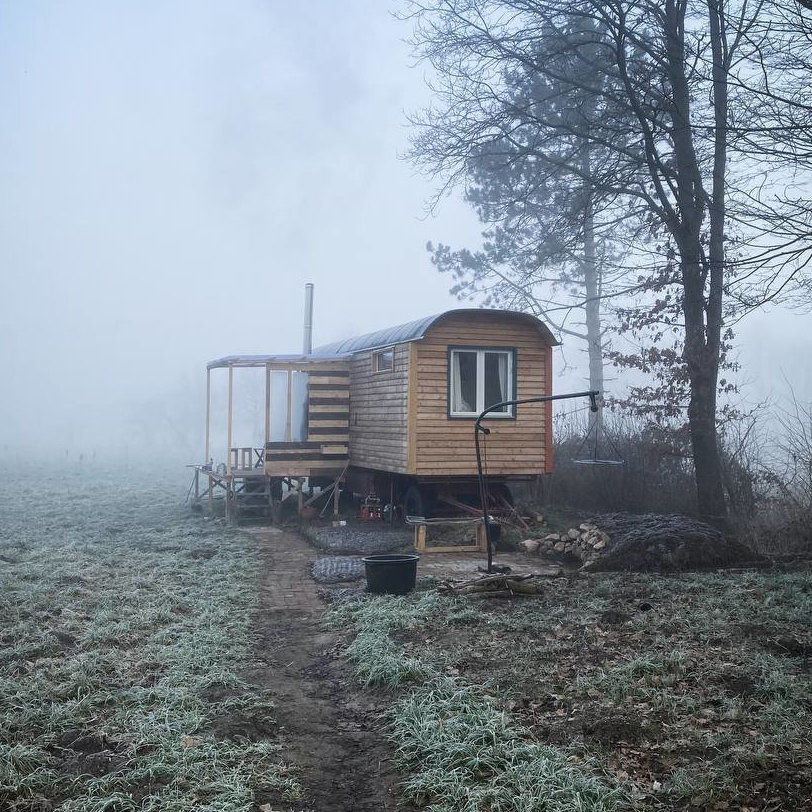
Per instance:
(208,414)
(288,423)
(230,389)
(267,404)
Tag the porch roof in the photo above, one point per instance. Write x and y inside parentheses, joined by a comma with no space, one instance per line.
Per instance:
(263,360)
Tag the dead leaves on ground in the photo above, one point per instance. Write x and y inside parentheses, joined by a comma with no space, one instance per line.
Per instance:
(659,688)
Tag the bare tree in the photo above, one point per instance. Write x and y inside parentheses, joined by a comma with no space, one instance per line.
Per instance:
(546,249)
(702,114)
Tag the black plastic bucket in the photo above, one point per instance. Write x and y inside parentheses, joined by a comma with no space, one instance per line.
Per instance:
(391,573)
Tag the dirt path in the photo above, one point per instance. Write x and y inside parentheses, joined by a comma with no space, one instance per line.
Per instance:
(329,726)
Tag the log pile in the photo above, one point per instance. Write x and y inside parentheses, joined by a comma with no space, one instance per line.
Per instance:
(494,586)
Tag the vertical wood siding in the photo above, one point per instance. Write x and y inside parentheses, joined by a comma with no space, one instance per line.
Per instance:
(378,412)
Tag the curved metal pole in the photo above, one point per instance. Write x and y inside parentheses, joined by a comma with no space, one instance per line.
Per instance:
(592,394)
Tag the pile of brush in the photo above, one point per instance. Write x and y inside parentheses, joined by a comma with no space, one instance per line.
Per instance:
(494,586)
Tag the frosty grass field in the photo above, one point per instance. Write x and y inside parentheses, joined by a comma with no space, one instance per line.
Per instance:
(124,625)
(126,622)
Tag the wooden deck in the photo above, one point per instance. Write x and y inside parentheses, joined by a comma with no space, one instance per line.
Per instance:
(253,493)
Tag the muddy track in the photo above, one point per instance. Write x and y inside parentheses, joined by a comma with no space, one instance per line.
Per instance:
(330,729)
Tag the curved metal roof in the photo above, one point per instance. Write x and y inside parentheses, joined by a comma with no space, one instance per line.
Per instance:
(415,330)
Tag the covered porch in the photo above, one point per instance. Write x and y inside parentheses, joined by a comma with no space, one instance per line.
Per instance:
(305,431)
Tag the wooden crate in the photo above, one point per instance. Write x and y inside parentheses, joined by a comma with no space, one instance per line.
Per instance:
(420,534)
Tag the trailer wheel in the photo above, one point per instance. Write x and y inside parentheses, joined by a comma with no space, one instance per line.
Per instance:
(501,490)
(417,501)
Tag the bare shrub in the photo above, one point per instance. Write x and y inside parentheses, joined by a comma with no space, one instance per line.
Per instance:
(767,474)
(782,524)
(656,475)
(767,471)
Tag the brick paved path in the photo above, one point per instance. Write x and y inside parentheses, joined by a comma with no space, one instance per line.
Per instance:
(286,582)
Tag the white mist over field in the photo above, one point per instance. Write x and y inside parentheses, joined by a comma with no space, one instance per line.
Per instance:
(174,172)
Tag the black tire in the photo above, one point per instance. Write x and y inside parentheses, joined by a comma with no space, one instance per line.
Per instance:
(417,502)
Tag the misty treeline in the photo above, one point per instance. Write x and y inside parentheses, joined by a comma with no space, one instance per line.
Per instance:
(642,171)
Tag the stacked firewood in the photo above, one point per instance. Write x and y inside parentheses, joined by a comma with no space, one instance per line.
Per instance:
(586,542)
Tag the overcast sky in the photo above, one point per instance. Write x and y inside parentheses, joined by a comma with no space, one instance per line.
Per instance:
(173,172)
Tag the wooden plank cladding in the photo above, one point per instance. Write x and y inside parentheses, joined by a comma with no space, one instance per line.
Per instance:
(444,446)
(331,391)
(378,406)
(314,413)
(329,401)
(292,449)
(325,451)
(306,455)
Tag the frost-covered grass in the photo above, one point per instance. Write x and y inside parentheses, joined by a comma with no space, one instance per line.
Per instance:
(459,751)
(465,755)
(124,627)
(376,658)
(690,691)
(638,691)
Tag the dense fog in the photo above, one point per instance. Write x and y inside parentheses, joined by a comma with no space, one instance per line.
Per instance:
(172,175)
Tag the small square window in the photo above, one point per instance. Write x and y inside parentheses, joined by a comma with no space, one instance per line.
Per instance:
(383,361)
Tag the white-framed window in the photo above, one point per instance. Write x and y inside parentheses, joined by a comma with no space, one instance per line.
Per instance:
(383,361)
(479,378)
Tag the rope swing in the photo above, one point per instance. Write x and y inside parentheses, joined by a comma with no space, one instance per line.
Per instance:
(593,433)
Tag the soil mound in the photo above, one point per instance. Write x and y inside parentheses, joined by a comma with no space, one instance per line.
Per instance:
(653,542)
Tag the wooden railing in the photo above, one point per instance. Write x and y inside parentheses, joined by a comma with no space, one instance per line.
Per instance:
(246,458)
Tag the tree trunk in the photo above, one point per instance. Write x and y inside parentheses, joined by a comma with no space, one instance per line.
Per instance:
(703,318)
(592,309)
(714,489)
(701,356)
(710,495)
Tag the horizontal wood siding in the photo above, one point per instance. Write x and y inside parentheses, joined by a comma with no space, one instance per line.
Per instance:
(445,446)
(328,410)
(378,412)
(325,452)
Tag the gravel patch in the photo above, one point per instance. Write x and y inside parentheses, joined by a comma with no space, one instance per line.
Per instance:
(336,569)
(353,540)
